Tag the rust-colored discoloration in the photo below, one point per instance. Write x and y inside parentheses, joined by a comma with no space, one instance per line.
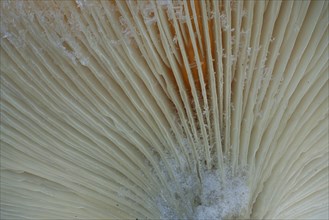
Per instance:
(191,52)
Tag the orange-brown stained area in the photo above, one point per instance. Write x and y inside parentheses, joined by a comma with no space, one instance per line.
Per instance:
(190,51)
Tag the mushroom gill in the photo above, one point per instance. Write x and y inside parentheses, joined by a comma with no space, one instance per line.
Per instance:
(164,109)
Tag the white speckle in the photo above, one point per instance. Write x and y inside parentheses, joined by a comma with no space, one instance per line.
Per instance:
(163,2)
(249,51)
(84,61)
(175,39)
(80,3)
(6,35)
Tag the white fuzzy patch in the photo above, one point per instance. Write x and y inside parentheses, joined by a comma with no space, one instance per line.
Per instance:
(220,200)
(212,199)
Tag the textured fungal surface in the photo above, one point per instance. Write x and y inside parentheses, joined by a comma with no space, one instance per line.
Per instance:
(164,109)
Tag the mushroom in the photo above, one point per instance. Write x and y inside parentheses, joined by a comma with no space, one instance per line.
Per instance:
(164,109)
